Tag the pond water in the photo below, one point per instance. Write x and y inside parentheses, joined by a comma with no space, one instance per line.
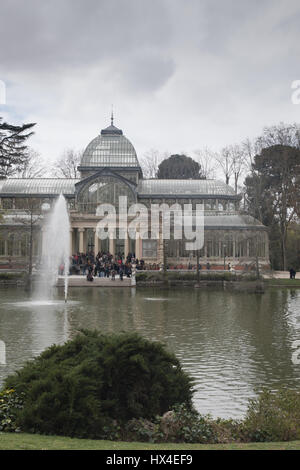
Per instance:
(232,344)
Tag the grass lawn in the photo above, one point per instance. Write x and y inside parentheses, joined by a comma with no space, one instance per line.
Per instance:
(22,441)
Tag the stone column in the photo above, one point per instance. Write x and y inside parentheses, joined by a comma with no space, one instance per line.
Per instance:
(126,245)
(248,248)
(81,235)
(111,244)
(267,254)
(5,247)
(160,248)
(97,242)
(34,250)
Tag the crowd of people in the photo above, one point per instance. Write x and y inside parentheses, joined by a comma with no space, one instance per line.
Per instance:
(104,264)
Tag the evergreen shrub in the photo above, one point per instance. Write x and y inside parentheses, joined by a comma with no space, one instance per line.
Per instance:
(96,382)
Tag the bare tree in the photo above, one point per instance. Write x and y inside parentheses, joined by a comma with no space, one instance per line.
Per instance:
(231,161)
(150,162)
(238,164)
(33,167)
(280,134)
(67,164)
(250,150)
(224,163)
(207,161)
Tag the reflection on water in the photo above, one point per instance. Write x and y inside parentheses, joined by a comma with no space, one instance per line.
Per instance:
(36,303)
(233,344)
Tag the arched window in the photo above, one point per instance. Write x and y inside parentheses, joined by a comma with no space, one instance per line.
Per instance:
(103,190)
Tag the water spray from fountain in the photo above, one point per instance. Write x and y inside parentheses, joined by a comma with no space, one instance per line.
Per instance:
(56,250)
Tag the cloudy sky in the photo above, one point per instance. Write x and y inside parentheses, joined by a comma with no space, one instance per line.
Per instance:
(181,74)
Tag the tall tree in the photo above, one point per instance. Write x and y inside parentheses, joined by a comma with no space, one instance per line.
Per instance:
(224,162)
(273,189)
(231,161)
(13,149)
(293,246)
(179,167)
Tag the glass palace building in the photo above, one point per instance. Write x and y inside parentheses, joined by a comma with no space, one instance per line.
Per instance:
(109,169)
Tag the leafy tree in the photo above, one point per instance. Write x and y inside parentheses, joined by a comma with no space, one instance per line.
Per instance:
(80,388)
(13,148)
(179,167)
(293,246)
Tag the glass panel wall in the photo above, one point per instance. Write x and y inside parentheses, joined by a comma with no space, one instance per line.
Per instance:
(104,190)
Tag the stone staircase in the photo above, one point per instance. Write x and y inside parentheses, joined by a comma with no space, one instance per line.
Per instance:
(81,281)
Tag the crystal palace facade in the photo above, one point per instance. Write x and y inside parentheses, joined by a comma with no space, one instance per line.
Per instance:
(110,168)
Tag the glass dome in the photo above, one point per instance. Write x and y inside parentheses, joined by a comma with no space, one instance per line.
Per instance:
(110,149)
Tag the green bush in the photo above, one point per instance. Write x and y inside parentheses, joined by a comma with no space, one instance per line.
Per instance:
(143,430)
(192,276)
(185,424)
(273,417)
(10,403)
(89,384)
(181,424)
(228,430)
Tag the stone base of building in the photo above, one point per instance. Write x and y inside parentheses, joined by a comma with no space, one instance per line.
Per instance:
(216,264)
(81,281)
(244,264)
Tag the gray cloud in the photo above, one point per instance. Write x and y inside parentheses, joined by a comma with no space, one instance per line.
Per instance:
(208,72)
(63,34)
(145,70)
(76,31)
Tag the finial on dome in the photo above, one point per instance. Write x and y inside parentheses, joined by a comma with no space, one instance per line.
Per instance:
(111,129)
(112,115)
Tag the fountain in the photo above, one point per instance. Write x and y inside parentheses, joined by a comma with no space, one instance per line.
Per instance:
(56,250)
